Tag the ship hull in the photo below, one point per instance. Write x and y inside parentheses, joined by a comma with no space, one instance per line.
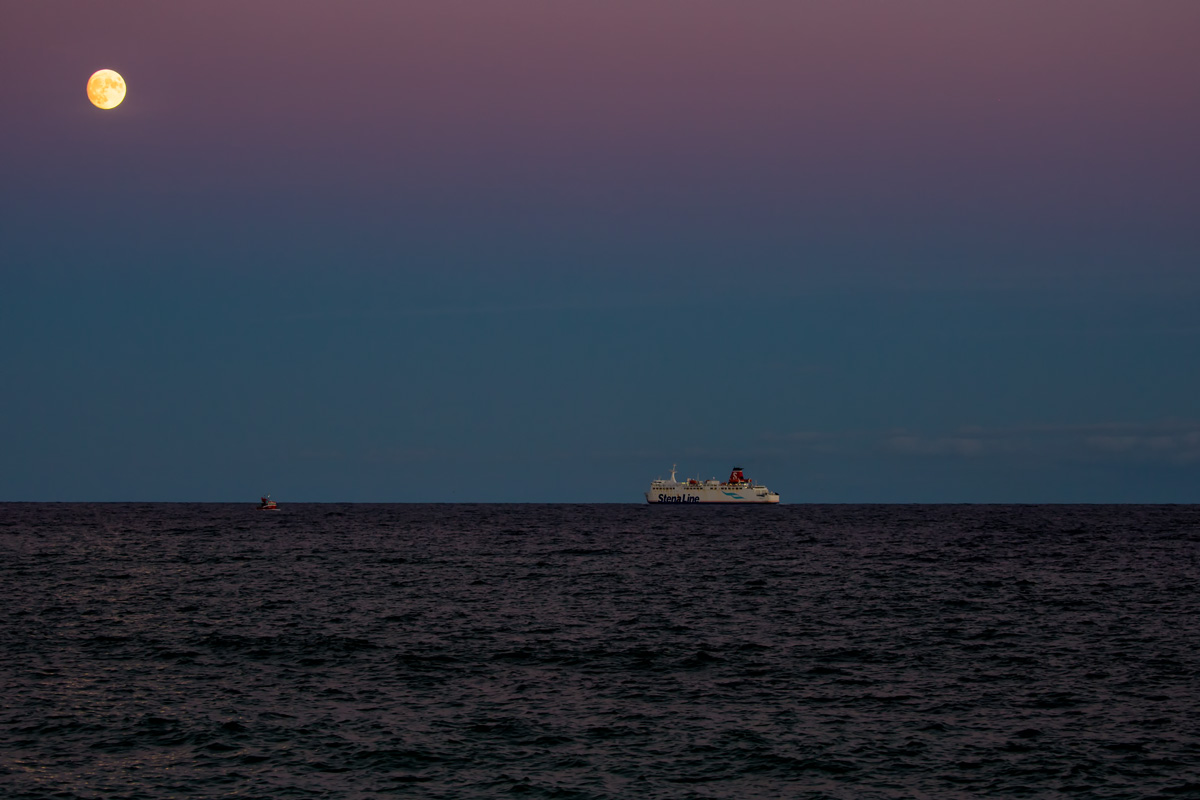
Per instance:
(704,495)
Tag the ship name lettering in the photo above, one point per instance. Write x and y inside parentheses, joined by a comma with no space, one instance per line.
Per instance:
(685,498)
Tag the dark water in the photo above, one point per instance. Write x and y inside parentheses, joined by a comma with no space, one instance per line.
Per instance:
(151,651)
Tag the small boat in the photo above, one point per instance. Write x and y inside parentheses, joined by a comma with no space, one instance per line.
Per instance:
(267,504)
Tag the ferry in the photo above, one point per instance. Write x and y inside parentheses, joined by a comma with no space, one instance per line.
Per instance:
(738,489)
(267,504)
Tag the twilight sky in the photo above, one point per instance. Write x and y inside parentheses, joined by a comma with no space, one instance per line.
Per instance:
(532,250)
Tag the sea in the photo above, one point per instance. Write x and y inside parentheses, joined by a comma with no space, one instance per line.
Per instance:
(599,651)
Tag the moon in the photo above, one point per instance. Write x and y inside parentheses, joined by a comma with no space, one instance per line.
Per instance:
(106,89)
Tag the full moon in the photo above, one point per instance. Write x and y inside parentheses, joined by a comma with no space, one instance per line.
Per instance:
(106,89)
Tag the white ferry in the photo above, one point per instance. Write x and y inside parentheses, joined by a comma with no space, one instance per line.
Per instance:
(738,489)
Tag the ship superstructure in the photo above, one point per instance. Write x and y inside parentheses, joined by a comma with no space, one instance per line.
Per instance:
(738,489)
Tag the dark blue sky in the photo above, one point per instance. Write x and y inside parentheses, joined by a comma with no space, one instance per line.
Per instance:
(453,251)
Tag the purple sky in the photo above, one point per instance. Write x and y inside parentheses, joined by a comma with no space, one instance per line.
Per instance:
(944,251)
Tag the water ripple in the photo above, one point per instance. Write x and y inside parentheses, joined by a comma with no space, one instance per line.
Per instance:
(599,651)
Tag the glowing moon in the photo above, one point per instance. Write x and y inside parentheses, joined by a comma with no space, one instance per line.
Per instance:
(106,89)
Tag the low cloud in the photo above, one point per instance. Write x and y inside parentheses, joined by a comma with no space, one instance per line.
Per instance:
(939,446)
(1171,441)
(1181,445)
